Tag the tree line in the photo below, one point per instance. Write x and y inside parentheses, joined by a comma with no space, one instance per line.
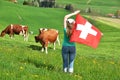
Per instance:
(40,3)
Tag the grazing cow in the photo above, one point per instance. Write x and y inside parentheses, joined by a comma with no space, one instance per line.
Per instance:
(15,29)
(47,36)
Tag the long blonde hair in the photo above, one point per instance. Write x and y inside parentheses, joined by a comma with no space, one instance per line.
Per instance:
(70,24)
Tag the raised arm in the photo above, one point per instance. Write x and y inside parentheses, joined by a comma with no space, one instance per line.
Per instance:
(69,15)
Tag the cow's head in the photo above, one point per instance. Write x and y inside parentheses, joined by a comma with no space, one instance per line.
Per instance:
(2,33)
(36,39)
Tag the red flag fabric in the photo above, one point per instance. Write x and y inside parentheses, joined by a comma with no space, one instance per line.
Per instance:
(85,33)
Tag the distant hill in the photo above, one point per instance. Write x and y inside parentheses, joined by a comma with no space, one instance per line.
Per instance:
(99,6)
(36,17)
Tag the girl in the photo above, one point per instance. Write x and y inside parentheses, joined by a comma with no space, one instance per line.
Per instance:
(68,48)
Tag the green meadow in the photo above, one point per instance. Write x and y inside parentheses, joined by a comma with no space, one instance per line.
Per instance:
(20,60)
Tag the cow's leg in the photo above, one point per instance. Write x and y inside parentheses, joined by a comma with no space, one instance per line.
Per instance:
(26,37)
(11,33)
(54,45)
(46,50)
(46,44)
(11,36)
(43,47)
(58,40)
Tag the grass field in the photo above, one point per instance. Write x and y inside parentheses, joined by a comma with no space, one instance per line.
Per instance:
(21,60)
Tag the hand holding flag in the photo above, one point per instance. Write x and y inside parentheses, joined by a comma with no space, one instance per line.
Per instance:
(85,33)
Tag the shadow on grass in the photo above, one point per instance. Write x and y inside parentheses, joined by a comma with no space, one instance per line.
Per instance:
(34,47)
(39,64)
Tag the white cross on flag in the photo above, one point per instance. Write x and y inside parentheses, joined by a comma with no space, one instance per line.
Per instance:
(85,33)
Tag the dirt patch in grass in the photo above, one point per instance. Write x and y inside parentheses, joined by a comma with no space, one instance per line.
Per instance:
(110,21)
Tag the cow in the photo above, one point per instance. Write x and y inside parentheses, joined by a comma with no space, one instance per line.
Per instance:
(15,29)
(47,36)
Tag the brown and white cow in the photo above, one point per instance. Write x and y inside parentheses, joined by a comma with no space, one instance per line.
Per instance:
(47,36)
(16,29)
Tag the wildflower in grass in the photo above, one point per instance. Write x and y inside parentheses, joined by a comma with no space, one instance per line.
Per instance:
(77,63)
(7,74)
(94,61)
(78,76)
(44,62)
(46,67)
(112,62)
(36,76)
(25,63)
(21,68)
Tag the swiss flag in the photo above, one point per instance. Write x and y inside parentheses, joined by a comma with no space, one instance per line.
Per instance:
(85,33)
